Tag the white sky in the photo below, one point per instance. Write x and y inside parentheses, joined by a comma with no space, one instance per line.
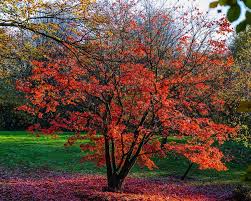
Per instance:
(203,5)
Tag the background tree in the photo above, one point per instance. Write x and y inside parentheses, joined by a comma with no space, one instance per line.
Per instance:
(234,11)
(238,85)
(12,67)
(36,30)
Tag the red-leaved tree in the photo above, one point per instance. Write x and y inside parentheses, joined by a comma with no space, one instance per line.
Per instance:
(150,78)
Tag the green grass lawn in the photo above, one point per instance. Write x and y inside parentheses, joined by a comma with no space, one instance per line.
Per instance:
(20,150)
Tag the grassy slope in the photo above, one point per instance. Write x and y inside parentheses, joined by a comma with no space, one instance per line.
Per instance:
(24,151)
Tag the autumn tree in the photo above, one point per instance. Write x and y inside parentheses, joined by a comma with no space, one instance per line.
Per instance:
(153,76)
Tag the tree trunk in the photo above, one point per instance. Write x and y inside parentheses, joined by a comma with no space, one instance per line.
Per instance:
(188,169)
(114,184)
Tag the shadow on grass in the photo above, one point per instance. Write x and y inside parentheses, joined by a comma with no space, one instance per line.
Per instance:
(28,154)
